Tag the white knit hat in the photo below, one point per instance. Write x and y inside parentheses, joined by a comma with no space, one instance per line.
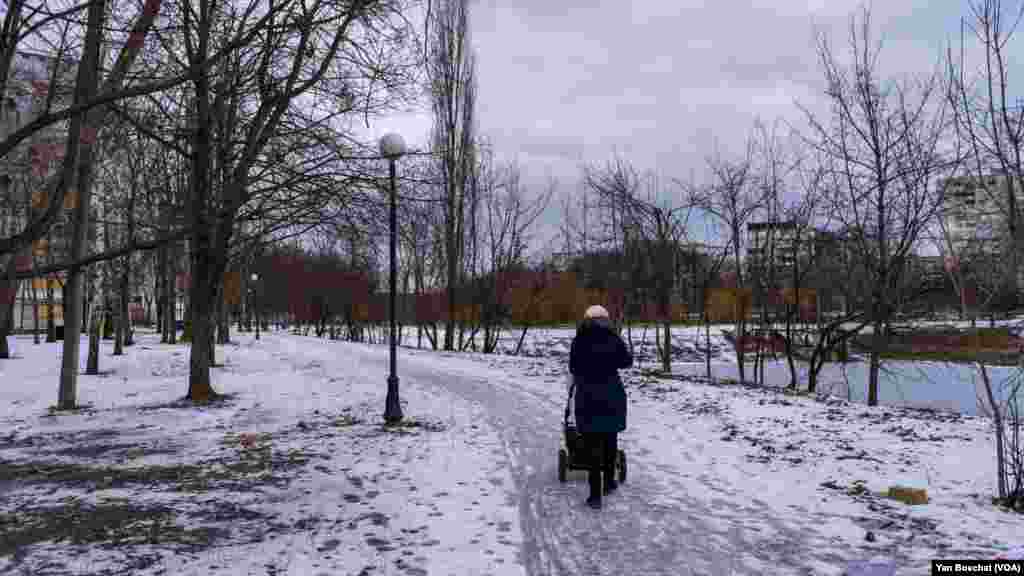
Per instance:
(596,312)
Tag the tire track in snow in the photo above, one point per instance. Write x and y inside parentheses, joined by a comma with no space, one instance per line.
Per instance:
(649,527)
(642,530)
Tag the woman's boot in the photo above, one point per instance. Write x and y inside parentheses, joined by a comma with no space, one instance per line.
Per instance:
(594,479)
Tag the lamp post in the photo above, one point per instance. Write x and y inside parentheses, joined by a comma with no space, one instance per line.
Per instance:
(255,310)
(392,147)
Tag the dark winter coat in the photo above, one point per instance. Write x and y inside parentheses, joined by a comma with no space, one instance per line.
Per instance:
(595,358)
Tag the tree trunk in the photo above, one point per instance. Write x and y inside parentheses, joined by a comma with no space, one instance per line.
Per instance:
(215,307)
(707,339)
(125,324)
(108,318)
(170,331)
(8,295)
(218,305)
(86,314)
(997,424)
(449,327)
(5,348)
(432,336)
(790,350)
(161,305)
(813,368)
(522,337)
(126,318)
(461,344)
(200,388)
(6,312)
(666,358)
(877,346)
(161,292)
(51,306)
(211,340)
(86,86)
(171,300)
(35,311)
(224,322)
(469,340)
(243,313)
(92,365)
(741,337)
(118,331)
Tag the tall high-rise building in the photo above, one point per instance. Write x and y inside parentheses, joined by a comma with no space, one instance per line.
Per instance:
(975,213)
(778,245)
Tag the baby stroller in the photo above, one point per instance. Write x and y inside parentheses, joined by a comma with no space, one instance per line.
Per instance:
(573,456)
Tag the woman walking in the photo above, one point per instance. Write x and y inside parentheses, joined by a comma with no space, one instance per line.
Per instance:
(595,358)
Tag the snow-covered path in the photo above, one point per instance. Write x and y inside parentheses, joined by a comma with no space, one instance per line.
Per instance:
(650,526)
(729,480)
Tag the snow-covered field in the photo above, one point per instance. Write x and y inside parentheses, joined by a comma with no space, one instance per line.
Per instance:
(812,469)
(293,473)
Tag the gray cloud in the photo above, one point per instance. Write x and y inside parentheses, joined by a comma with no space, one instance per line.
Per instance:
(663,83)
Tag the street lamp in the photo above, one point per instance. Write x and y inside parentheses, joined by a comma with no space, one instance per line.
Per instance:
(392,147)
(255,278)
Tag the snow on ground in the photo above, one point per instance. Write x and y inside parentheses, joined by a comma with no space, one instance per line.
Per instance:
(292,474)
(811,467)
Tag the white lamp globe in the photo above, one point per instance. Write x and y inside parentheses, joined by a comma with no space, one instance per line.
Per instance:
(392,146)
(254,277)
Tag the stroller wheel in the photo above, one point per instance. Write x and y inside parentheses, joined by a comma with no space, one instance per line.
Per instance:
(622,466)
(563,464)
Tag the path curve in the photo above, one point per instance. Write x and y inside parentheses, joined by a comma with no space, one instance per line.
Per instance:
(643,529)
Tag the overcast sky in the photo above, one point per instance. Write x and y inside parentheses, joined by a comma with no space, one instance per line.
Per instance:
(663,82)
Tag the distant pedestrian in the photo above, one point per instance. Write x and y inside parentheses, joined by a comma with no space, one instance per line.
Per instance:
(595,358)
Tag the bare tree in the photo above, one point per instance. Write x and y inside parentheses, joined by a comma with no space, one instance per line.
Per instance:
(510,214)
(881,145)
(296,58)
(775,167)
(417,220)
(87,88)
(86,114)
(658,228)
(990,124)
(970,263)
(452,72)
(809,251)
(705,263)
(732,199)
(1001,400)
(611,236)
(89,107)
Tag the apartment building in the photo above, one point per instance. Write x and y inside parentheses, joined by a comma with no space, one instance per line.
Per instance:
(22,173)
(777,245)
(974,212)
